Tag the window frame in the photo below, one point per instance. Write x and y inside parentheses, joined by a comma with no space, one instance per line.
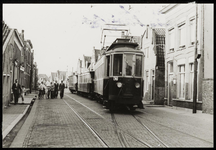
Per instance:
(171,35)
(179,82)
(136,65)
(181,39)
(192,32)
(122,64)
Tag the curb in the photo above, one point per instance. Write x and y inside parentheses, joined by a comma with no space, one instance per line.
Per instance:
(183,109)
(14,123)
(150,105)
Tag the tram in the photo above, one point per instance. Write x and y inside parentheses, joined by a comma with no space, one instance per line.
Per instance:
(116,79)
(118,75)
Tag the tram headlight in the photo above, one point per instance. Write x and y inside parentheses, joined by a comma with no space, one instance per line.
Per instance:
(119,84)
(137,85)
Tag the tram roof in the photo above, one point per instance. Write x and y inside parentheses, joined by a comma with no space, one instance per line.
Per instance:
(122,42)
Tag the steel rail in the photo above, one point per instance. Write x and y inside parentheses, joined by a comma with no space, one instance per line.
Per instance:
(120,136)
(151,132)
(85,106)
(118,127)
(179,131)
(90,128)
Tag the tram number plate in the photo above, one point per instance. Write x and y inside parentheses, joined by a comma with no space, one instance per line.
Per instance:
(115,78)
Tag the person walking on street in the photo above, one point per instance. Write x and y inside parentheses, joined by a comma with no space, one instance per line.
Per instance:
(22,93)
(16,91)
(48,92)
(52,88)
(56,89)
(42,88)
(48,89)
(61,89)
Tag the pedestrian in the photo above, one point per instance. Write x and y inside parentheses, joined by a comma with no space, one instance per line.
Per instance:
(61,89)
(56,89)
(42,88)
(22,93)
(52,88)
(48,89)
(16,91)
(48,92)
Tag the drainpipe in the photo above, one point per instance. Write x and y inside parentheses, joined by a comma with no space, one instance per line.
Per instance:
(195,68)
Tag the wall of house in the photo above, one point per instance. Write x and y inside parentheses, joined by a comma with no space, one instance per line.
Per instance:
(208,81)
(149,64)
(181,56)
(7,74)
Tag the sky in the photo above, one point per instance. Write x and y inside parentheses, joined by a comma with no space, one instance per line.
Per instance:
(63,33)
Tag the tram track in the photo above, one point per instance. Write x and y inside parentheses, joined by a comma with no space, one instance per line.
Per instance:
(120,132)
(104,144)
(170,128)
(150,131)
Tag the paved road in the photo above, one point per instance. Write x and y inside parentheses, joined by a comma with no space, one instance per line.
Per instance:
(53,123)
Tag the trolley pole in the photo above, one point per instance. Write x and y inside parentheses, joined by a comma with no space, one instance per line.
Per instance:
(195,68)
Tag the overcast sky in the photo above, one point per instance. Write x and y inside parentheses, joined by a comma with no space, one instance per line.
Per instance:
(63,33)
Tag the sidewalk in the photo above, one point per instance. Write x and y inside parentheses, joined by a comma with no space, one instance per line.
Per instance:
(151,104)
(14,113)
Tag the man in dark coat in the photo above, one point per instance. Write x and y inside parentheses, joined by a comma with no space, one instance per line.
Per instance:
(16,91)
(61,89)
(56,89)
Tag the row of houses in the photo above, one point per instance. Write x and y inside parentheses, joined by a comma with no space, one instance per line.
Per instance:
(169,57)
(17,63)
(59,76)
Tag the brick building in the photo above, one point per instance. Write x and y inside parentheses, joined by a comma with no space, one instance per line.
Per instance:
(11,63)
(15,62)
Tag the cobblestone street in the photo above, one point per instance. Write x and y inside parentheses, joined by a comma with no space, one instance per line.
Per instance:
(54,123)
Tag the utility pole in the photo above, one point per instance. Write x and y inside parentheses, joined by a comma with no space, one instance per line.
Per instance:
(195,67)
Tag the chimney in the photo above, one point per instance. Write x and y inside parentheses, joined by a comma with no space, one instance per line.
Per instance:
(122,34)
(23,35)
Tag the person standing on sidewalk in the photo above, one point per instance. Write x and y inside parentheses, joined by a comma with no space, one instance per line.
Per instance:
(56,89)
(22,93)
(61,88)
(16,91)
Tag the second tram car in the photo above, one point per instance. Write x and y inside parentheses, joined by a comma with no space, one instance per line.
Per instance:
(72,83)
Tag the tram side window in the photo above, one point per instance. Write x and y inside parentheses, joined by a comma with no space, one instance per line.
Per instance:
(138,66)
(117,65)
(108,65)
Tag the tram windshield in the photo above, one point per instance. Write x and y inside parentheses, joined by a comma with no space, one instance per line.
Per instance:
(132,65)
(128,64)
(138,66)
